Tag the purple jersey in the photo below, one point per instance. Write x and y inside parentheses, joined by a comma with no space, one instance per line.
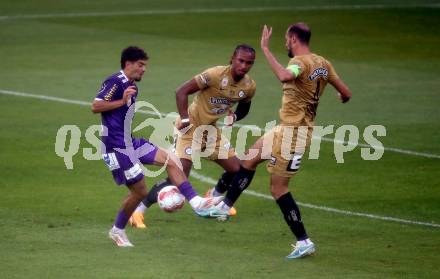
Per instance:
(112,89)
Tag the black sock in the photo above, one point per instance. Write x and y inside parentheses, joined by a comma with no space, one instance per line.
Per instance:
(292,215)
(239,183)
(151,198)
(224,182)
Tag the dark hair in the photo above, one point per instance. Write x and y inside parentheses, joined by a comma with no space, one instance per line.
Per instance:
(244,47)
(301,31)
(132,53)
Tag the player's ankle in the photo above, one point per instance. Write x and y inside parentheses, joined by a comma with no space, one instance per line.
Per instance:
(195,202)
(216,193)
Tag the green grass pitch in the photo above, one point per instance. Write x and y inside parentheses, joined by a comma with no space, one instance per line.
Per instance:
(54,221)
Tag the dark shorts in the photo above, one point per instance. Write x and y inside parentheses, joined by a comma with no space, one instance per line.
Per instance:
(126,165)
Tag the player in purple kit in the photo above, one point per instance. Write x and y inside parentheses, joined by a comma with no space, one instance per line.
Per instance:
(124,154)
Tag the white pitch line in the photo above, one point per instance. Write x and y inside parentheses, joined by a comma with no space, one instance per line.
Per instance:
(210,180)
(237,125)
(391,149)
(215,10)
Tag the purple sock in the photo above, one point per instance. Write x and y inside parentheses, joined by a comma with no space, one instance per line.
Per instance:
(187,190)
(121,220)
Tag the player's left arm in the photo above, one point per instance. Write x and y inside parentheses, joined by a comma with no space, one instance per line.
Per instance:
(242,110)
(344,92)
(280,72)
(244,105)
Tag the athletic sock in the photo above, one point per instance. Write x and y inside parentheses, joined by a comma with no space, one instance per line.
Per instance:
(141,208)
(187,190)
(223,206)
(239,183)
(304,242)
(292,216)
(224,183)
(121,220)
(151,198)
(215,193)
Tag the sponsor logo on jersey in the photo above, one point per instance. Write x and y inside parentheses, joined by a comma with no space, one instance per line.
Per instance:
(219,101)
(110,93)
(319,72)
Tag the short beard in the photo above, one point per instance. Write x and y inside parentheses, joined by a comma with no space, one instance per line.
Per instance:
(239,77)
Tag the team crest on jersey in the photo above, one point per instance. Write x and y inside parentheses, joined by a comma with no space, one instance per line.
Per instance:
(188,151)
(319,72)
(224,82)
(218,110)
(241,94)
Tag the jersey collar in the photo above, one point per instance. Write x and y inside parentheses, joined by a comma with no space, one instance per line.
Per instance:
(122,72)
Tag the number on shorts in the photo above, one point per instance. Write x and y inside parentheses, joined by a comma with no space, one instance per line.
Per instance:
(295,162)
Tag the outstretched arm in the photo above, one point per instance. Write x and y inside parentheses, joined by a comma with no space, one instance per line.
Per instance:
(280,72)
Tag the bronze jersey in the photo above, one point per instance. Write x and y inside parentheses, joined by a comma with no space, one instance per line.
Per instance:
(218,93)
(301,95)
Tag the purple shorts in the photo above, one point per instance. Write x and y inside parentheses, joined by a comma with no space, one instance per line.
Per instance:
(125,165)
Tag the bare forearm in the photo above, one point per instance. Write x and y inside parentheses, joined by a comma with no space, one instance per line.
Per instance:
(188,88)
(280,72)
(99,106)
(182,104)
(343,90)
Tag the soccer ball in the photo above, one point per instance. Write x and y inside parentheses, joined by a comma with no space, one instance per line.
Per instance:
(170,199)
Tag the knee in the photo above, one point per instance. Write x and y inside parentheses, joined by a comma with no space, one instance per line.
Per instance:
(172,162)
(138,194)
(138,190)
(235,168)
(142,194)
(249,164)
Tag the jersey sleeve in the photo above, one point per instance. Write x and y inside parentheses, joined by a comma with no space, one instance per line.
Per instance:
(296,67)
(332,75)
(251,92)
(207,78)
(110,91)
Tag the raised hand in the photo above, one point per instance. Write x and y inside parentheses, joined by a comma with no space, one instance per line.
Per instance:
(265,37)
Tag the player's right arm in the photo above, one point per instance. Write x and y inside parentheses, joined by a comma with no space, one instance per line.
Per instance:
(102,105)
(280,72)
(182,93)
